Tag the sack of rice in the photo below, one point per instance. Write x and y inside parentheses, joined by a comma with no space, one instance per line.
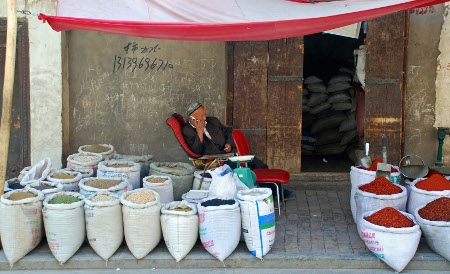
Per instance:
(141,221)
(46,187)
(64,224)
(90,186)
(163,185)
(182,175)
(104,225)
(21,222)
(104,149)
(68,179)
(219,226)
(122,169)
(258,220)
(84,160)
(179,224)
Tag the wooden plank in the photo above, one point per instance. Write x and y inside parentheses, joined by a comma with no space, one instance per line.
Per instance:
(284,103)
(384,98)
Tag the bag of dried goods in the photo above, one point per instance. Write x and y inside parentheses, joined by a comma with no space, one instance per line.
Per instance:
(85,172)
(68,179)
(163,185)
(104,226)
(219,226)
(391,235)
(13,184)
(434,220)
(182,175)
(46,187)
(38,171)
(378,194)
(202,180)
(64,224)
(92,185)
(222,184)
(104,149)
(258,220)
(84,160)
(121,169)
(424,190)
(141,220)
(21,222)
(179,224)
(142,160)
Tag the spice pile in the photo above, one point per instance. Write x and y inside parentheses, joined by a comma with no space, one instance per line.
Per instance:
(102,198)
(102,183)
(156,179)
(63,176)
(381,186)
(141,197)
(96,148)
(437,210)
(389,217)
(435,182)
(20,195)
(218,202)
(64,199)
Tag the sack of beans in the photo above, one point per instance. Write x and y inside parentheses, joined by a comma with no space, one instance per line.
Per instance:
(163,185)
(141,211)
(46,187)
(104,226)
(84,160)
(68,179)
(258,220)
(85,172)
(21,222)
(424,190)
(92,185)
(179,224)
(434,220)
(182,175)
(219,225)
(391,235)
(114,169)
(142,160)
(64,224)
(378,194)
(104,149)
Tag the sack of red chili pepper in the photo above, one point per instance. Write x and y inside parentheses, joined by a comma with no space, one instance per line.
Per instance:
(424,190)
(391,235)
(434,220)
(378,194)
(360,176)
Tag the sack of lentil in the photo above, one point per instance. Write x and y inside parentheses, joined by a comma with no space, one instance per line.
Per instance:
(219,226)
(85,172)
(182,175)
(64,224)
(92,185)
(104,149)
(141,221)
(123,169)
(21,222)
(179,224)
(142,160)
(258,220)
(38,171)
(104,225)
(424,190)
(84,160)
(68,179)
(434,220)
(391,235)
(163,185)
(46,187)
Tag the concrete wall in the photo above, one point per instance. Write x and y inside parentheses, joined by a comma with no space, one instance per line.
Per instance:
(45,81)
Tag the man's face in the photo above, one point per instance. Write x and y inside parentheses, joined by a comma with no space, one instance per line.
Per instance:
(200,114)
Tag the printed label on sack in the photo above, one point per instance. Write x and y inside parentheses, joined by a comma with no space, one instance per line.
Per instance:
(369,238)
(201,217)
(208,244)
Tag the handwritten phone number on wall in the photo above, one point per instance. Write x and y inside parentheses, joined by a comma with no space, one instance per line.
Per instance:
(133,63)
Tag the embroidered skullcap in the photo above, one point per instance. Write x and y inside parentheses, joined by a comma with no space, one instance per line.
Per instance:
(193,107)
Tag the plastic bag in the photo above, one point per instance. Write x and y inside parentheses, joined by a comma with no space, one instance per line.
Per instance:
(222,183)
(39,171)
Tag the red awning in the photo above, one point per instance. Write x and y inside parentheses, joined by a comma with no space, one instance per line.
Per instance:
(219,20)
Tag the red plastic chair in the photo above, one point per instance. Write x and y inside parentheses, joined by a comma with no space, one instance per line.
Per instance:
(263,175)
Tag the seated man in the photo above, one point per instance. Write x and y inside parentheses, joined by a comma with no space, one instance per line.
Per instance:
(207,135)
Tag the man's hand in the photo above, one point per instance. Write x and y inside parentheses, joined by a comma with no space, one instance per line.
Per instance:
(227,148)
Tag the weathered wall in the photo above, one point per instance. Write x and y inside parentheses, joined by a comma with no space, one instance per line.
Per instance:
(45,82)
(422,53)
(126,103)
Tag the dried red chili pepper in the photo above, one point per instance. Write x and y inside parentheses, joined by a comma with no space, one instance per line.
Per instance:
(435,182)
(381,186)
(432,172)
(389,217)
(436,210)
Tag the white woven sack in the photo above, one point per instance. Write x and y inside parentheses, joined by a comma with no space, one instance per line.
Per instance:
(87,190)
(105,154)
(39,171)
(85,172)
(84,160)
(132,172)
(437,234)
(104,225)
(395,246)
(21,224)
(206,181)
(141,224)
(366,201)
(164,189)
(68,184)
(358,177)
(258,220)
(419,197)
(179,228)
(56,187)
(64,226)
(220,228)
